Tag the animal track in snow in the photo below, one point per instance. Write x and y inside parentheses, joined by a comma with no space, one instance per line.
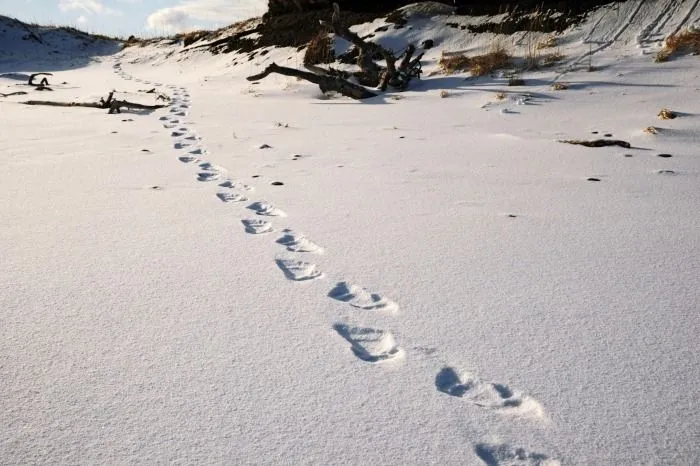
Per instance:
(181,145)
(296,242)
(234,185)
(265,208)
(210,167)
(188,159)
(298,270)
(256,226)
(226,196)
(208,176)
(485,394)
(368,344)
(358,297)
(505,455)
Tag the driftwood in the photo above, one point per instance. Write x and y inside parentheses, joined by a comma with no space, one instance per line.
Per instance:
(110,103)
(43,82)
(159,95)
(12,93)
(325,82)
(371,74)
(598,143)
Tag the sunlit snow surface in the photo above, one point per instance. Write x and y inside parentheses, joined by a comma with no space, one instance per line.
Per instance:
(405,280)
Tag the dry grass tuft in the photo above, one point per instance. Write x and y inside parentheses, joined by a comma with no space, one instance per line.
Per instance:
(320,49)
(190,38)
(454,63)
(651,130)
(662,56)
(484,64)
(479,65)
(666,114)
(500,95)
(685,41)
(547,43)
(560,86)
(444,94)
(553,58)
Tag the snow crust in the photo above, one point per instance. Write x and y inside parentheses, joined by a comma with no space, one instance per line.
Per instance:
(461,293)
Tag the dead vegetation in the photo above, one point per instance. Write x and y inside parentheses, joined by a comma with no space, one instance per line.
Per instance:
(320,49)
(551,59)
(666,114)
(535,58)
(482,65)
(547,43)
(451,64)
(687,41)
(651,130)
(478,65)
(191,37)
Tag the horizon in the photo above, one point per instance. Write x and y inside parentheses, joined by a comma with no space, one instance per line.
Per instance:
(123,18)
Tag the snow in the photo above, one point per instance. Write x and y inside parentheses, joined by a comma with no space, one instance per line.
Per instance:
(435,282)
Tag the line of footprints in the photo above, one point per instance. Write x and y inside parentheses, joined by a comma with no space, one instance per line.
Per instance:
(368,344)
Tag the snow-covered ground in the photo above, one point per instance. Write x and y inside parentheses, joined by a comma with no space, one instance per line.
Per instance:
(436,280)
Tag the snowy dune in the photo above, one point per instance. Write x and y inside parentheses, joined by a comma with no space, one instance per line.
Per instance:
(435,280)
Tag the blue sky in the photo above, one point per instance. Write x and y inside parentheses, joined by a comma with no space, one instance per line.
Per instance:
(138,17)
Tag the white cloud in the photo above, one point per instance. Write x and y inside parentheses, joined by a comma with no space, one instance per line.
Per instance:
(82,19)
(185,15)
(88,6)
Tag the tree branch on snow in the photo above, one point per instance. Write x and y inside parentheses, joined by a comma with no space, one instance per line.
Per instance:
(12,93)
(110,103)
(44,81)
(325,82)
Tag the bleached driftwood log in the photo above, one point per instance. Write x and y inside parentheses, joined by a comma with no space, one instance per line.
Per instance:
(110,103)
